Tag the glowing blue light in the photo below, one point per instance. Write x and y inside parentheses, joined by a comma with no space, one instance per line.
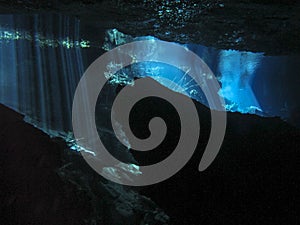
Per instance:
(237,70)
(39,71)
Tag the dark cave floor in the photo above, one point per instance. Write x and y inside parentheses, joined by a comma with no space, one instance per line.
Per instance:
(253,180)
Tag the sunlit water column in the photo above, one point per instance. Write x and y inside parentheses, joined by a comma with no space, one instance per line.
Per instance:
(40,66)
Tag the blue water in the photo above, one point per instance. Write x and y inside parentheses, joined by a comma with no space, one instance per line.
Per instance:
(42,58)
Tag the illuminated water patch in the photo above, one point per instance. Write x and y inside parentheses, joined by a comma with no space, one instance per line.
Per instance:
(8,35)
(237,70)
(41,64)
(42,58)
(250,82)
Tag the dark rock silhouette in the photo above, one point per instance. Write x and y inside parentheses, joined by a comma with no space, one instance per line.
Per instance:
(44,182)
(253,180)
(31,191)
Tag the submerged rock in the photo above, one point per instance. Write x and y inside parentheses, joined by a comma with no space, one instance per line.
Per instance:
(254,179)
(44,182)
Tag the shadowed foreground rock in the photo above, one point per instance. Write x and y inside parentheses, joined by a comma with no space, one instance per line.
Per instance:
(44,183)
(253,180)
(31,191)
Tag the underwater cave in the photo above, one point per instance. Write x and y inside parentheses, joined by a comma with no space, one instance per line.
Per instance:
(210,134)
